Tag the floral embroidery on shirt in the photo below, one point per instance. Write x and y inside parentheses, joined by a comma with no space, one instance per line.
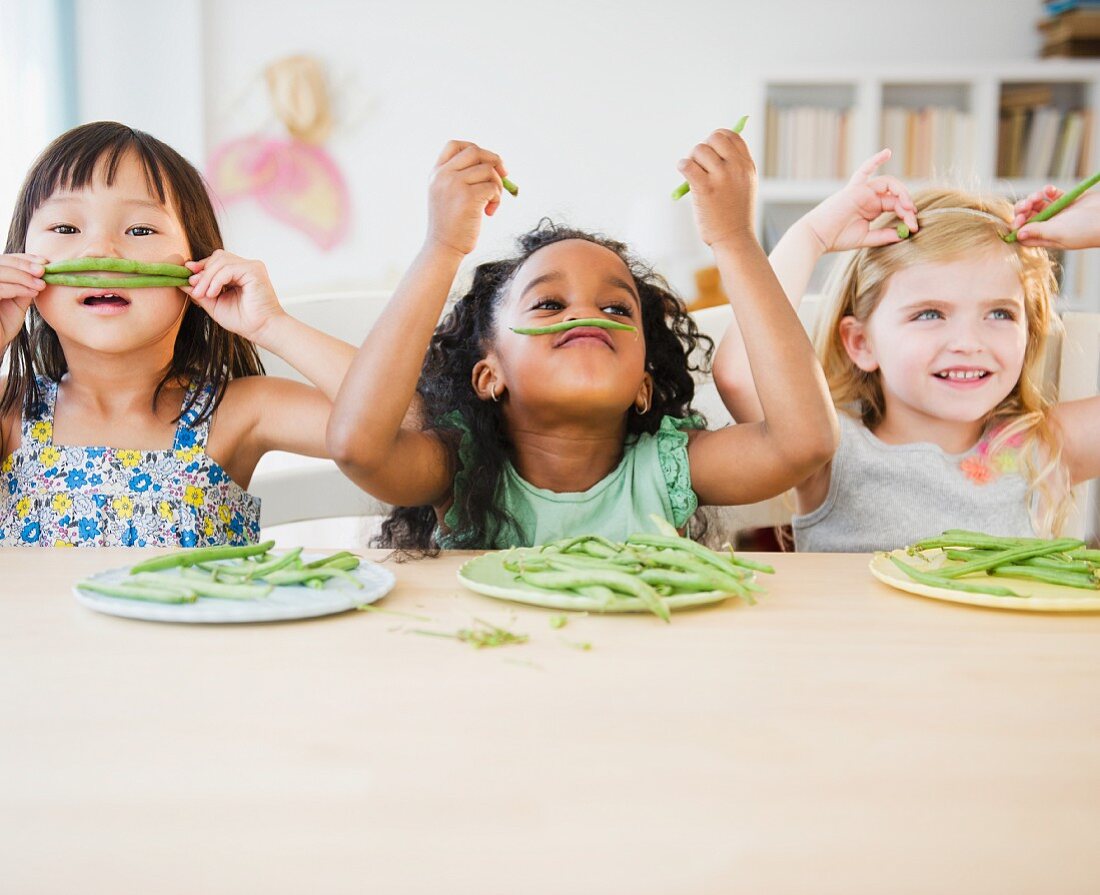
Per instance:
(984,465)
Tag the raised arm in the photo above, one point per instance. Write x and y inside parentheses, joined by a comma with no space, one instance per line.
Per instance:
(840,222)
(396,463)
(797,435)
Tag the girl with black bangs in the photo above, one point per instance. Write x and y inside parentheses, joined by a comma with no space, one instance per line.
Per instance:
(520,438)
(136,416)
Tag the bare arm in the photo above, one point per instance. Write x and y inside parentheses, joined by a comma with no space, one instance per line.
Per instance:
(797,434)
(1079,422)
(840,222)
(397,463)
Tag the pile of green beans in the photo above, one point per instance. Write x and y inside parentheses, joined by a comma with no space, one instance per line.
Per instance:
(598,322)
(644,567)
(1062,561)
(141,274)
(250,572)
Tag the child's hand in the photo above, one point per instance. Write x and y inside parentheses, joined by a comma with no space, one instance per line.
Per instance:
(465,184)
(235,292)
(1077,226)
(20,282)
(722,177)
(843,221)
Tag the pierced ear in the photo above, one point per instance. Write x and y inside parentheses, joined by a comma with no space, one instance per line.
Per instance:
(644,399)
(853,335)
(486,380)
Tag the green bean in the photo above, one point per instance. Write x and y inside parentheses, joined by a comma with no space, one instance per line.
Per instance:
(195,555)
(262,570)
(335,557)
(684,188)
(1045,562)
(709,557)
(1013,555)
(118,265)
(89,282)
(508,185)
(304,576)
(1056,206)
(205,587)
(1092,556)
(616,581)
(605,595)
(961,538)
(133,592)
(949,584)
(690,582)
(903,231)
(1048,575)
(599,322)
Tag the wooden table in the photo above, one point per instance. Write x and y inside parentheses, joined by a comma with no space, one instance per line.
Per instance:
(840,737)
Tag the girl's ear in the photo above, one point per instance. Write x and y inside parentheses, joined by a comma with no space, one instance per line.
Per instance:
(853,335)
(644,399)
(487,381)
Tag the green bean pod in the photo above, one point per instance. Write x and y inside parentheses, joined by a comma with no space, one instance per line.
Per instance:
(509,186)
(196,555)
(89,282)
(136,592)
(616,581)
(950,584)
(684,188)
(1008,556)
(598,322)
(1051,210)
(118,265)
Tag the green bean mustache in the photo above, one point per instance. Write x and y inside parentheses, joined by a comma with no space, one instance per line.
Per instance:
(598,322)
(140,274)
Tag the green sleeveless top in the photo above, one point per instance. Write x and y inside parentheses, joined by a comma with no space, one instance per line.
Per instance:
(652,477)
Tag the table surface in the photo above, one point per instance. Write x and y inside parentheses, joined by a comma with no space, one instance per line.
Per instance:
(839,737)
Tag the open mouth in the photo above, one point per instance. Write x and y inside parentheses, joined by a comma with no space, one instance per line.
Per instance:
(105,299)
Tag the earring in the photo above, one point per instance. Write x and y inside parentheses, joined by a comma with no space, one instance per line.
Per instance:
(645,409)
(493,393)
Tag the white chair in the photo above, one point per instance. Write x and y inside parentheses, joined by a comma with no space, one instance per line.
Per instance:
(306,500)
(1079,377)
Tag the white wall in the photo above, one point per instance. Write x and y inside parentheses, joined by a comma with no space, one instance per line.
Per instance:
(590,103)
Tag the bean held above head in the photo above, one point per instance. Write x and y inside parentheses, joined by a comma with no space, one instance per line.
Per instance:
(142,274)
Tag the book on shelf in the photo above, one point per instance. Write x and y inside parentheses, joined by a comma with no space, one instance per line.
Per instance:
(807,142)
(1042,141)
(928,142)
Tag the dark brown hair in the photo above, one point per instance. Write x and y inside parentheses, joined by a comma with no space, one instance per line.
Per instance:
(205,353)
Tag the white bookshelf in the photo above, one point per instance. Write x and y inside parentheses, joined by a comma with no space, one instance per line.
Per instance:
(972,94)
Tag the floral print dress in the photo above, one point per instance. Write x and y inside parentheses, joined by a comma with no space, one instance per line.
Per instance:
(66,496)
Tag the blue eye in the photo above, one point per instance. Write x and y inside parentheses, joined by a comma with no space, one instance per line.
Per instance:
(148,230)
(930,314)
(1003,314)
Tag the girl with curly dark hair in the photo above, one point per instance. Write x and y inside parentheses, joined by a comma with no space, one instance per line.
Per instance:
(517,438)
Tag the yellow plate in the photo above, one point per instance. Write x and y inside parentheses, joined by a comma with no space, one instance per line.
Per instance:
(1036,596)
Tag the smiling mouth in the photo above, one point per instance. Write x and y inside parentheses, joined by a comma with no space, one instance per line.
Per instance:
(962,375)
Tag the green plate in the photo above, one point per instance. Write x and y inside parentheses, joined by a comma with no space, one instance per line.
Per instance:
(486,575)
(1035,596)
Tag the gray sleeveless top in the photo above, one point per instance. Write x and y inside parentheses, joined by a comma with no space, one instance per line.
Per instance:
(882,496)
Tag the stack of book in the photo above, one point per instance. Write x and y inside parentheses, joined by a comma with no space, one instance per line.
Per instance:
(928,142)
(808,142)
(1037,140)
(1071,28)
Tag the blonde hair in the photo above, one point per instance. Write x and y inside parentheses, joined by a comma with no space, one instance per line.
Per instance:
(955,223)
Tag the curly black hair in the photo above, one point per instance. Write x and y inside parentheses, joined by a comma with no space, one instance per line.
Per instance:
(461,340)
